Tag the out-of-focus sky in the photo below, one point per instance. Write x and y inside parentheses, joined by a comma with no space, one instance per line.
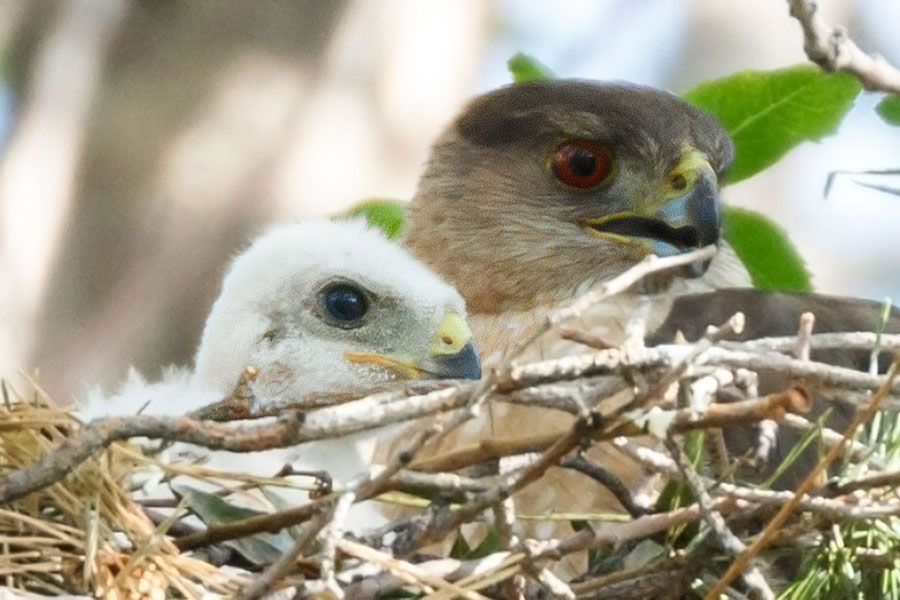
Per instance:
(145,142)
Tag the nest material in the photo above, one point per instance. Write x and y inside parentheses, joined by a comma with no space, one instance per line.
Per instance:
(84,534)
(80,530)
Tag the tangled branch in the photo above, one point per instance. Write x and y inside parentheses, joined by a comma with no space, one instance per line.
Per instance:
(667,392)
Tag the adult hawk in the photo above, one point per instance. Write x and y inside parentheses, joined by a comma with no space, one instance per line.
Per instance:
(539,191)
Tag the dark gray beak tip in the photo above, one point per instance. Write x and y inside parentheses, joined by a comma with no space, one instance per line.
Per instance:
(465,364)
(705,212)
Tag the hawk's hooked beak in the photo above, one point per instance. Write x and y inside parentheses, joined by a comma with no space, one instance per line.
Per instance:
(687,218)
(451,355)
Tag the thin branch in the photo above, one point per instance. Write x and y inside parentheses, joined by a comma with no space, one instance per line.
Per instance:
(833,50)
(99,434)
(726,538)
(263,583)
(806,485)
(795,399)
(608,480)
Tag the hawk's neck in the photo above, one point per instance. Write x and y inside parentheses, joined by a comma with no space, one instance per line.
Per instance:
(499,334)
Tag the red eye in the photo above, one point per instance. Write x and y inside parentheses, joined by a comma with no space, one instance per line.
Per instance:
(582,163)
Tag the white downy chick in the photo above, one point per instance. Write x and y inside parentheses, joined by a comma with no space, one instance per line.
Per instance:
(318,305)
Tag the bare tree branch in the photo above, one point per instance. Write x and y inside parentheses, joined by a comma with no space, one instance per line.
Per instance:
(833,50)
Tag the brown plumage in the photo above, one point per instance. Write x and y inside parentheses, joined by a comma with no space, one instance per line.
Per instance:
(539,191)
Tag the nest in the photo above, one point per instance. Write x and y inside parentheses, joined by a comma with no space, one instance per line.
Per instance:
(74,522)
(84,533)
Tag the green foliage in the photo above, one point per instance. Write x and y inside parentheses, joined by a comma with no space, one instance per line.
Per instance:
(765,250)
(259,549)
(889,109)
(386,215)
(858,559)
(767,113)
(810,435)
(490,544)
(840,569)
(527,68)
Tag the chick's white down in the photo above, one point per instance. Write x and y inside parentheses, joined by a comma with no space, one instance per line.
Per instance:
(269,315)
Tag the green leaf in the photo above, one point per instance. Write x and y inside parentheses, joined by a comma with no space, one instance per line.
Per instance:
(259,549)
(889,109)
(490,544)
(460,549)
(526,68)
(767,113)
(386,215)
(766,251)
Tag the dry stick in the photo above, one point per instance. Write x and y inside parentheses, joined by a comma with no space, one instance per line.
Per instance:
(242,404)
(292,516)
(726,538)
(585,338)
(889,479)
(264,582)
(649,265)
(607,479)
(833,509)
(603,535)
(806,485)
(367,486)
(851,340)
(774,406)
(667,565)
(505,522)
(855,450)
(99,434)
(408,572)
(833,50)
(252,525)
(581,429)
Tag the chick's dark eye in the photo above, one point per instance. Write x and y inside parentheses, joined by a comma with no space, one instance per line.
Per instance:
(581,163)
(345,304)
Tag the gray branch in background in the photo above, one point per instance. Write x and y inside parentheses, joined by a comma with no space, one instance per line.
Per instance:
(833,50)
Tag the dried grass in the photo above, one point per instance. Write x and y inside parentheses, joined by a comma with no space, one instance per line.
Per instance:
(85,534)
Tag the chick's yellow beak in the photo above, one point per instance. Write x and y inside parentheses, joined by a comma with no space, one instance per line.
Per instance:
(451,354)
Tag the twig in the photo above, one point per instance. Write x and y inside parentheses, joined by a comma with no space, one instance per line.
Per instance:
(648,266)
(726,538)
(607,479)
(807,484)
(889,479)
(407,571)
(582,428)
(99,434)
(856,340)
(835,509)
(774,406)
(264,582)
(584,338)
(675,565)
(252,525)
(833,50)
(804,332)
(830,437)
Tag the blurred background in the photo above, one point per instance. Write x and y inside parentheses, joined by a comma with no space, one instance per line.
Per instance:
(143,142)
